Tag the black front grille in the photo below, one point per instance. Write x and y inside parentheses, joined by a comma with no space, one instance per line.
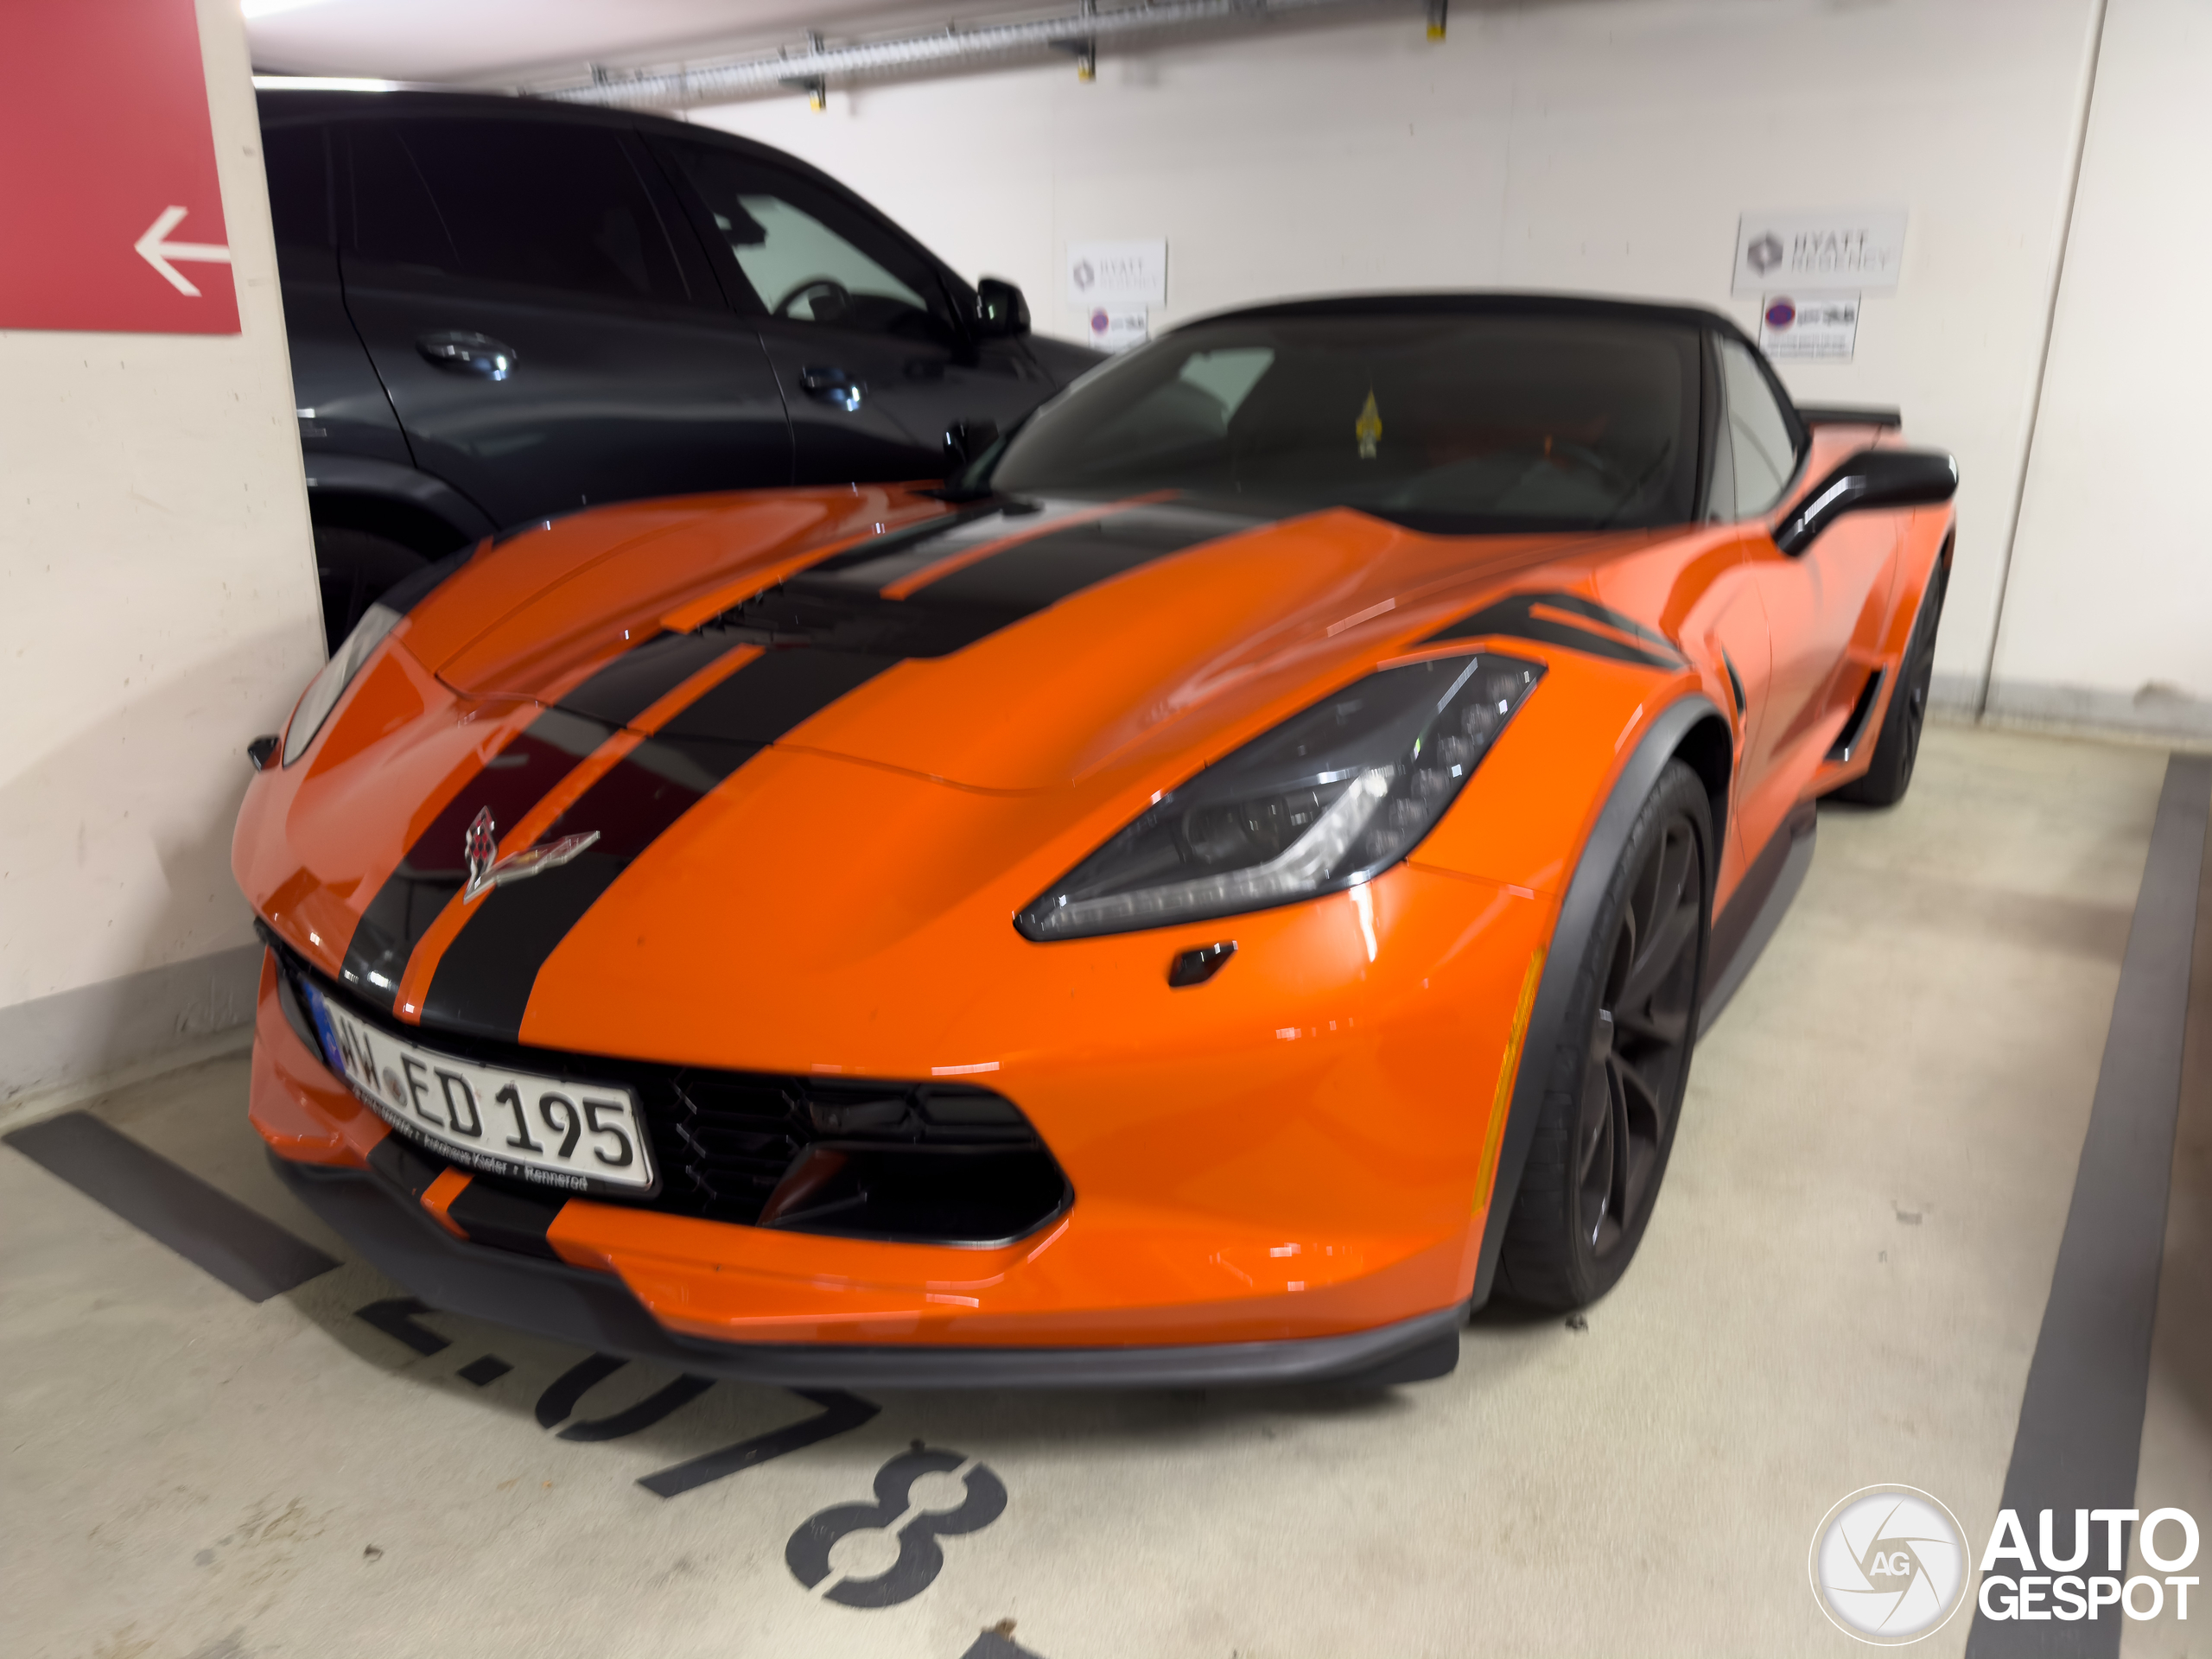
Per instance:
(928,1163)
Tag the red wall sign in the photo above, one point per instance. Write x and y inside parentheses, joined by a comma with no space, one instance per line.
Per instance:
(110,216)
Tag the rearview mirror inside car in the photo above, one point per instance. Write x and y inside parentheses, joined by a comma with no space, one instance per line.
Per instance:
(1000,312)
(1871,479)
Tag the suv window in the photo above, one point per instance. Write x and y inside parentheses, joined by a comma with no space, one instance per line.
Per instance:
(393,217)
(808,257)
(299,193)
(542,203)
(1760,442)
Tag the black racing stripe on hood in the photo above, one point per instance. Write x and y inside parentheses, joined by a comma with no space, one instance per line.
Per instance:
(646,672)
(1515,618)
(434,869)
(825,634)
(923,538)
(843,613)
(642,676)
(483,983)
(774,693)
(1032,576)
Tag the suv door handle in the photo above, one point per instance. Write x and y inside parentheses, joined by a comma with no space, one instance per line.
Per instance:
(463,352)
(829,385)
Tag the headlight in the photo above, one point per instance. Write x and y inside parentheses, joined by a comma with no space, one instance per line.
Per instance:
(1326,799)
(324,690)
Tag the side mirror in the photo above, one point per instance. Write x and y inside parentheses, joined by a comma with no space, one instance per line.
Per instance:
(1000,312)
(1869,480)
(965,440)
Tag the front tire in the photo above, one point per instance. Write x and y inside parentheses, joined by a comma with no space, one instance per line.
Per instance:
(1614,1092)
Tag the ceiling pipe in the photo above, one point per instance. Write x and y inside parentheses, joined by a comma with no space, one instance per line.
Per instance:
(809,70)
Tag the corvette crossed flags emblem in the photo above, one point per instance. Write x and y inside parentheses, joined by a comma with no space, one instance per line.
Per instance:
(486,870)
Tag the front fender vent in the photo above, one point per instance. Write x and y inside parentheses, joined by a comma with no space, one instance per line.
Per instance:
(1854,729)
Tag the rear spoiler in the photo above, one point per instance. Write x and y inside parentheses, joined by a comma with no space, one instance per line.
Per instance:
(1844,415)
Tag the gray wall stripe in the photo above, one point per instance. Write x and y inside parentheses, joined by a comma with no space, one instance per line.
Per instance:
(241,1247)
(93,1031)
(2080,1432)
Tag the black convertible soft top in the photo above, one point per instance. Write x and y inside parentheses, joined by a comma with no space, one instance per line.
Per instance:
(1444,303)
(1482,302)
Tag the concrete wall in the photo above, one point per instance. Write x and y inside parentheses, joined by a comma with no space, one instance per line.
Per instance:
(158,582)
(2109,612)
(1607,145)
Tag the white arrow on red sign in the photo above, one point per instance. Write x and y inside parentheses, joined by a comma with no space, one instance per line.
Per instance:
(158,252)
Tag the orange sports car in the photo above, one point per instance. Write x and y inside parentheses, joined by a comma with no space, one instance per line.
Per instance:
(1226,882)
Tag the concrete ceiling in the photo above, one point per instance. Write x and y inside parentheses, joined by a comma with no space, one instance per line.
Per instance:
(505,42)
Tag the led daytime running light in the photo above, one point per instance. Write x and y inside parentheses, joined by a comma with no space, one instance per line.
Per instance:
(1298,870)
(1332,797)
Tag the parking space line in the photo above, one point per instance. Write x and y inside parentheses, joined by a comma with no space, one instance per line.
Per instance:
(240,1246)
(2079,1441)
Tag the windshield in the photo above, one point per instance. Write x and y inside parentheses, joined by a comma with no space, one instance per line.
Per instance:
(1454,423)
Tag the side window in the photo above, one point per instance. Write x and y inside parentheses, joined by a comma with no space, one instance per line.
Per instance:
(394,220)
(542,203)
(299,192)
(808,257)
(1758,436)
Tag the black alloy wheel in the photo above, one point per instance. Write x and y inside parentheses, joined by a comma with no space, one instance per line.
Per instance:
(1640,1041)
(1613,1092)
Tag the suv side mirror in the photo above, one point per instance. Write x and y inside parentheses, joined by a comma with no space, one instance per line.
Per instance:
(966,440)
(1000,312)
(1871,479)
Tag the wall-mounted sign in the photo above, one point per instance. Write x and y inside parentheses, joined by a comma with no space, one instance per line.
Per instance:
(110,212)
(1117,273)
(1809,326)
(1861,251)
(1117,328)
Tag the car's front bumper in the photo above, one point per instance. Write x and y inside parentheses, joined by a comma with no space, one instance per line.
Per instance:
(1252,1199)
(593,1309)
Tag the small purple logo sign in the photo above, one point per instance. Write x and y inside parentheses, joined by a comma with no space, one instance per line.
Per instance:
(1781,314)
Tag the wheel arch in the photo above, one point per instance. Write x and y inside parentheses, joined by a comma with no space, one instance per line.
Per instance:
(1690,728)
(413,527)
(418,511)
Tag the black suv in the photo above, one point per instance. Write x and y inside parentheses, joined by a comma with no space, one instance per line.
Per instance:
(501,309)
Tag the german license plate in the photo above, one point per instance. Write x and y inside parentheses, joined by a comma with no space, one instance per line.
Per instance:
(560,1131)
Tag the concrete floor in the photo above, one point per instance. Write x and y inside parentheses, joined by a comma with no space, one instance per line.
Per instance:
(1843,1285)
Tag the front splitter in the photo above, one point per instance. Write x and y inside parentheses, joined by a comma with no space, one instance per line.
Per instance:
(596,1311)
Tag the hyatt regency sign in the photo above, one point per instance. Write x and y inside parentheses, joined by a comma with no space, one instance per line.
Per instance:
(1860,251)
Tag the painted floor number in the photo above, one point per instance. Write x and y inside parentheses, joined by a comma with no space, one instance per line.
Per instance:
(917,1530)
